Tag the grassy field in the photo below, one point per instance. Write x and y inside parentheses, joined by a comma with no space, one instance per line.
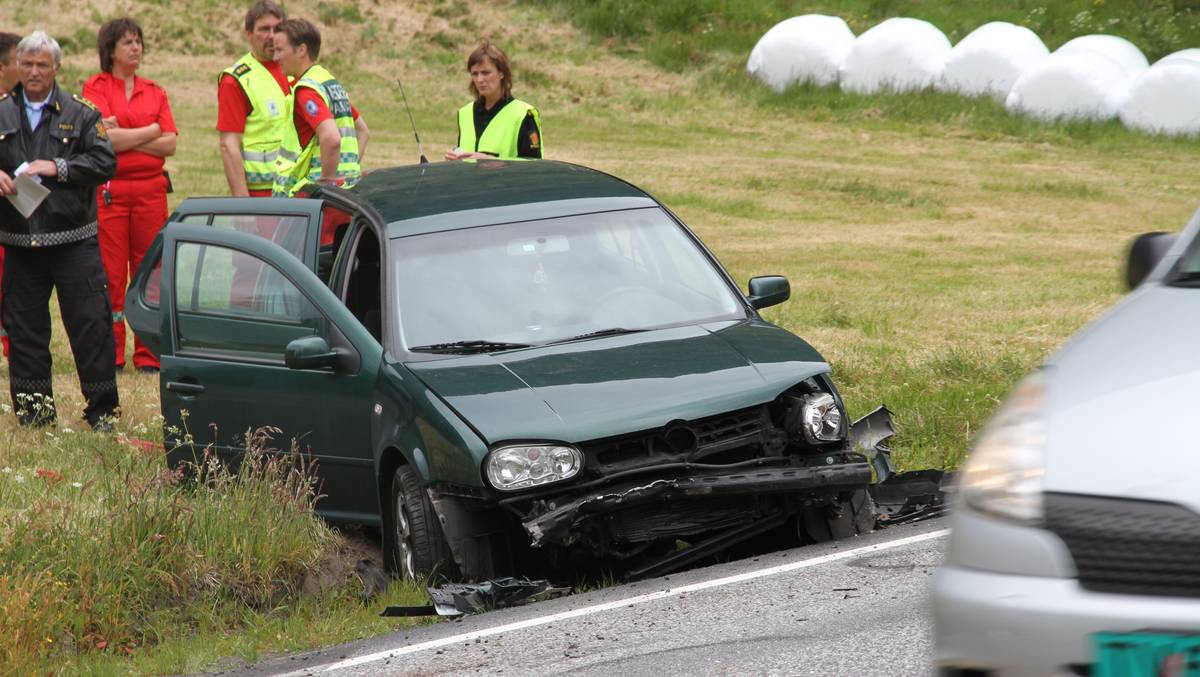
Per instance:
(937,247)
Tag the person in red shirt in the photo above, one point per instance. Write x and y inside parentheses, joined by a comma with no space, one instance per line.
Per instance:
(132,206)
(238,97)
(311,111)
(8,80)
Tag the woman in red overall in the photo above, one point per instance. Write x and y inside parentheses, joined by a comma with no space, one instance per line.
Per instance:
(133,205)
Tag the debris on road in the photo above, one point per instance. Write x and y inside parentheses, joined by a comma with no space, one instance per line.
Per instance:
(458,599)
(911,496)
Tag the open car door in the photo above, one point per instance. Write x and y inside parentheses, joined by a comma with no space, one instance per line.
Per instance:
(248,336)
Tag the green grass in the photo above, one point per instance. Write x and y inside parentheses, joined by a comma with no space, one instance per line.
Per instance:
(938,249)
(680,34)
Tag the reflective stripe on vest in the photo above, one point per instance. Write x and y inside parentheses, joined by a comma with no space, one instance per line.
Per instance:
(296,166)
(265,124)
(500,136)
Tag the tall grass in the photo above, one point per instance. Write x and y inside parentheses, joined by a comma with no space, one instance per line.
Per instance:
(108,550)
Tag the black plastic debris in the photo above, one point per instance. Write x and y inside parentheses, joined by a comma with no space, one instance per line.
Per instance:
(458,599)
(911,496)
(899,498)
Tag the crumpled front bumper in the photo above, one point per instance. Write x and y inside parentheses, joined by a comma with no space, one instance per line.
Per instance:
(554,522)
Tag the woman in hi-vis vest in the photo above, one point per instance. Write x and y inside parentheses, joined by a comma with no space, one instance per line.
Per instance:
(495,125)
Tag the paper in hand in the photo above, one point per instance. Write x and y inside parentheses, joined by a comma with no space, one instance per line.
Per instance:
(29,195)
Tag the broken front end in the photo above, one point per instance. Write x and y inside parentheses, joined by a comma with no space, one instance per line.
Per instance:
(709,483)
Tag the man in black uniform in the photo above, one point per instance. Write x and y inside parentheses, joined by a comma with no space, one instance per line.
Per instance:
(58,139)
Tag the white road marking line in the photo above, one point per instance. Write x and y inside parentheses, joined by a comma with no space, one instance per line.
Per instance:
(607,606)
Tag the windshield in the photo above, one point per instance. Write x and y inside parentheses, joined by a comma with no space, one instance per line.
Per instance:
(538,282)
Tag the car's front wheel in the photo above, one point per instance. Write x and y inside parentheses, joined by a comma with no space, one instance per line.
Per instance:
(418,546)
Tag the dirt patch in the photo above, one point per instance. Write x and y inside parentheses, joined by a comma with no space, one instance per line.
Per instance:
(336,568)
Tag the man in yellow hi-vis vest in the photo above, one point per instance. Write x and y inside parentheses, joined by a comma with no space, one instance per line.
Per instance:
(327,137)
(495,124)
(251,97)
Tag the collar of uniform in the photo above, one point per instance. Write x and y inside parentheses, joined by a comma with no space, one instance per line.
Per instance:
(499,104)
(53,100)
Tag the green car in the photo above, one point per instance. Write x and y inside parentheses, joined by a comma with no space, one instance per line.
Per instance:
(497,363)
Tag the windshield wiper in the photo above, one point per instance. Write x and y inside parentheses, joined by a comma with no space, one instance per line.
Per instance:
(613,331)
(468,347)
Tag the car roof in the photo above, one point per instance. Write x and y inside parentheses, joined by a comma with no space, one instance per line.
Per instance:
(451,195)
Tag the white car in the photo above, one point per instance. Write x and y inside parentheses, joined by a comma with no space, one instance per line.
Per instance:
(1076,537)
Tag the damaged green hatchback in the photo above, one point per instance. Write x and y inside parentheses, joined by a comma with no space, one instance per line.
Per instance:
(498,363)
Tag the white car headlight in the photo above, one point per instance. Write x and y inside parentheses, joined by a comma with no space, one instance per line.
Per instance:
(521,467)
(822,420)
(1004,470)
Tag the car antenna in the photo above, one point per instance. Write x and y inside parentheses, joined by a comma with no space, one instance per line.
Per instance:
(424,160)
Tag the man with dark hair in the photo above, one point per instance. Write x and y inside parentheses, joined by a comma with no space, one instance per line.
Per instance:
(251,97)
(58,140)
(8,63)
(8,80)
(327,137)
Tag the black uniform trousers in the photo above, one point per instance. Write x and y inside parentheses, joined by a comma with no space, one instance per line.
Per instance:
(76,271)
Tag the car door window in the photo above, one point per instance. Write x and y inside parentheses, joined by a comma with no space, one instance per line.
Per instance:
(151,292)
(230,303)
(287,231)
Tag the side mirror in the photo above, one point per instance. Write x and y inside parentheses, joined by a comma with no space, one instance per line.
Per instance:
(768,290)
(309,352)
(1145,252)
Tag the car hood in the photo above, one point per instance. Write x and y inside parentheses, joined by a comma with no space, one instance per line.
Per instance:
(1121,398)
(596,388)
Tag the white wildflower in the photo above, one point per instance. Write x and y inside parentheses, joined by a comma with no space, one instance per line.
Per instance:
(77,485)
(20,479)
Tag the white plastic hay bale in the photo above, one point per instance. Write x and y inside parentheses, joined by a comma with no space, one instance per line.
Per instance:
(1120,50)
(1072,85)
(1165,99)
(898,55)
(990,59)
(1187,55)
(809,48)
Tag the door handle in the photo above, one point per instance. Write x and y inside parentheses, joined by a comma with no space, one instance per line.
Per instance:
(185,388)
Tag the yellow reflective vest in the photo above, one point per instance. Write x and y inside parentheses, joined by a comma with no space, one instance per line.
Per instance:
(265,124)
(298,166)
(500,136)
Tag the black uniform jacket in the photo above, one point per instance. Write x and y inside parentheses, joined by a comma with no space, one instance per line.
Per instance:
(70,133)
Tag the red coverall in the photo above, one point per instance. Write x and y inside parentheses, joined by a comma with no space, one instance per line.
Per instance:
(136,205)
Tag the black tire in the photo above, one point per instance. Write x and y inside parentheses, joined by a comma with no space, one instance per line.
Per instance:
(848,517)
(418,546)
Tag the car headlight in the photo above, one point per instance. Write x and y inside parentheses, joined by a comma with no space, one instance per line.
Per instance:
(524,466)
(821,419)
(1004,470)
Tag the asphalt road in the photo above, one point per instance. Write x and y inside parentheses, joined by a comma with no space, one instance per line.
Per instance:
(853,607)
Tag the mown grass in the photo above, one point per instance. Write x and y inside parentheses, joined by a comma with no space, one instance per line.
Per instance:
(679,34)
(938,248)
